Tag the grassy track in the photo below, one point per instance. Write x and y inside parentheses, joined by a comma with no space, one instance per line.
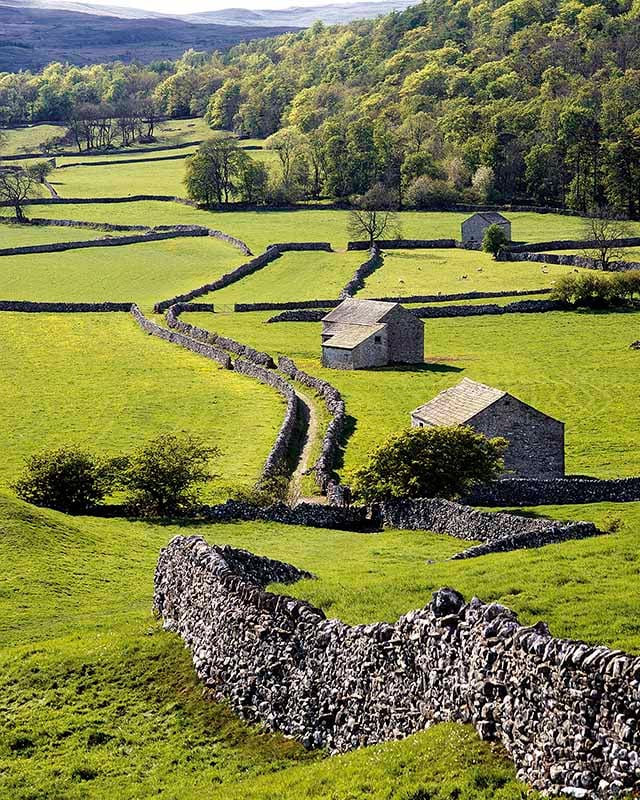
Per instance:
(99,382)
(144,273)
(576,366)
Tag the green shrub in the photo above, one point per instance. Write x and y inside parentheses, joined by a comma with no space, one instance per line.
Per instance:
(597,290)
(67,479)
(443,461)
(164,477)
(494,240)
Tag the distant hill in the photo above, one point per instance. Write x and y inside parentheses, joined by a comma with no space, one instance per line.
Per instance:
(32,36)
(302,17)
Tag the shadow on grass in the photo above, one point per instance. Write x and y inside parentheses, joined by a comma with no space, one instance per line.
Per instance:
(427,366)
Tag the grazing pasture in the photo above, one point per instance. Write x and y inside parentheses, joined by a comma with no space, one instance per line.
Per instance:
(576,366)
(141,273)
(97,381)
(410,272)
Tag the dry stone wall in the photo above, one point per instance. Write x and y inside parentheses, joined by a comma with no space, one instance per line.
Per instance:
(202,348)
(277,458)
(357,282)
(31,307)
(572,244)
(310,515)
(224,342)
(405,244)
(113,241)
(517,307)
(438,311)
(497,532)
(568,713)
(276,462)
(569,260)
(556,491)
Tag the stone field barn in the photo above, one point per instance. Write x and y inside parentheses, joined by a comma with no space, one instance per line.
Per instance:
(368,333)
(473,229)
(536,440)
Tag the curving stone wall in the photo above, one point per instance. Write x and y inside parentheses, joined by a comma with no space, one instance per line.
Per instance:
(556,491)
(134,198)
(567,713)
(272,252)
(202,348)
(357,282)
(277,458)
(496,531)
(203,335)
(334,403)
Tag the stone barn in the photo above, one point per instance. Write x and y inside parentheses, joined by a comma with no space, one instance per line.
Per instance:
(473,229)
(367,333)
(536,440)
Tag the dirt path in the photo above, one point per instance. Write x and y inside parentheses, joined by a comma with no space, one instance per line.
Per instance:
(308,411)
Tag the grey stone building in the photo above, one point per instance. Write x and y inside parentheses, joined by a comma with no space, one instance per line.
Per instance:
(368,333)
(473,229)
(536,440)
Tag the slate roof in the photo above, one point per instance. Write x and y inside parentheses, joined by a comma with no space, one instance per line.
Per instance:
(345,336)
(492,217)
(459,404)
(360,312)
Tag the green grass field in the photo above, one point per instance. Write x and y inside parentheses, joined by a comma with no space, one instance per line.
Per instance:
(99,702)
(141,273)
(27,140)
(260,228)
(12,235)
(410,272)
(293,276)
(576,366)
(97,381)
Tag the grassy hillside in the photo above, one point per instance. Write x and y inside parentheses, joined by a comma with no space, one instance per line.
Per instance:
(576,366)
(97,381)
(100,703)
